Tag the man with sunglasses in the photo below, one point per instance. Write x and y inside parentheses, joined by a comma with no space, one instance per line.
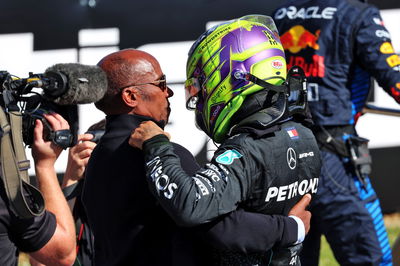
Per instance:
(129,226)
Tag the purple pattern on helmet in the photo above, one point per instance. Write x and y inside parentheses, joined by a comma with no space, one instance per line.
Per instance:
(232,41)
(246,64)
(253,37)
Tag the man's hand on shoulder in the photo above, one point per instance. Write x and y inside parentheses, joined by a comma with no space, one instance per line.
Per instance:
(144,132)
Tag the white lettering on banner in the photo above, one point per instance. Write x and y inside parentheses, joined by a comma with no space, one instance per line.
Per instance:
(161,180)
(306,13)
(289,191)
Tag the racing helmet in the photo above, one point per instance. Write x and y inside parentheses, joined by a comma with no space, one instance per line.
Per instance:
(228,63)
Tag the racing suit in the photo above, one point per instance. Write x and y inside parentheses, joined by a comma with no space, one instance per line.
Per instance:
(265,171)
(340,44)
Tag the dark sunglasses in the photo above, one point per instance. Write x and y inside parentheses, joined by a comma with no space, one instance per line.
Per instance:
(161,83)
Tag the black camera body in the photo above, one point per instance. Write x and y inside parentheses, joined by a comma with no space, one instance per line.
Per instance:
(18,92)
(63,138)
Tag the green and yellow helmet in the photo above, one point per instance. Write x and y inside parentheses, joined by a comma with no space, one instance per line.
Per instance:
(228,63)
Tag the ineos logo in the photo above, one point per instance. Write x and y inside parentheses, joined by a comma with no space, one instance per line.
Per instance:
(291,158)
(161,180)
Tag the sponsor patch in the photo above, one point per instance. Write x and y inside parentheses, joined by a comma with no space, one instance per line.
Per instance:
(228,157)
(277,64)
(386,48)
(298,38)
(393,60)
(292,132)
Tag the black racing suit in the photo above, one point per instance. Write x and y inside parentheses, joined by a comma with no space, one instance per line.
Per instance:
(267,173)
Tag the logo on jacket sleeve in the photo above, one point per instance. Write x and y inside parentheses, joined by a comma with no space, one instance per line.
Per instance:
(162,182)
(228,157)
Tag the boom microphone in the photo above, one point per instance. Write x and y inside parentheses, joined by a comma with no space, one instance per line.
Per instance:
(74,83)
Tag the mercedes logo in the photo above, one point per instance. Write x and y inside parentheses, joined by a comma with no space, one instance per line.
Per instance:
(291,158)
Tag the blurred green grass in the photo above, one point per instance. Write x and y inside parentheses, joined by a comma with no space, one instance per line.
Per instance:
(392,223)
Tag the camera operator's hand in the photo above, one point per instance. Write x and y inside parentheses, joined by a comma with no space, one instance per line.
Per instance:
(61,248)
(144,132)
(44,152)
(300,210)
(78,158)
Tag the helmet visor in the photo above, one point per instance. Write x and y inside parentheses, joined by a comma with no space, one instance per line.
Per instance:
(262,19)
(192,89)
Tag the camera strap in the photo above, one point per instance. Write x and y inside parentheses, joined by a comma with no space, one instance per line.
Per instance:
(26,201)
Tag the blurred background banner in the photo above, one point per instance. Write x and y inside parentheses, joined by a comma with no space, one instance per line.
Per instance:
(37,34)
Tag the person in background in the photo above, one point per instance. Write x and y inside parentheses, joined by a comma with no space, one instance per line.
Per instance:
(267,160)
(72,186)
(341,44)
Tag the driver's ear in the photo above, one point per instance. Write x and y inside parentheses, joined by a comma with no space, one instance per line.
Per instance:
(130,96)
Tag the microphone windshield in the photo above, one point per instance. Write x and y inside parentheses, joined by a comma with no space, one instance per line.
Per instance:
(85,83)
